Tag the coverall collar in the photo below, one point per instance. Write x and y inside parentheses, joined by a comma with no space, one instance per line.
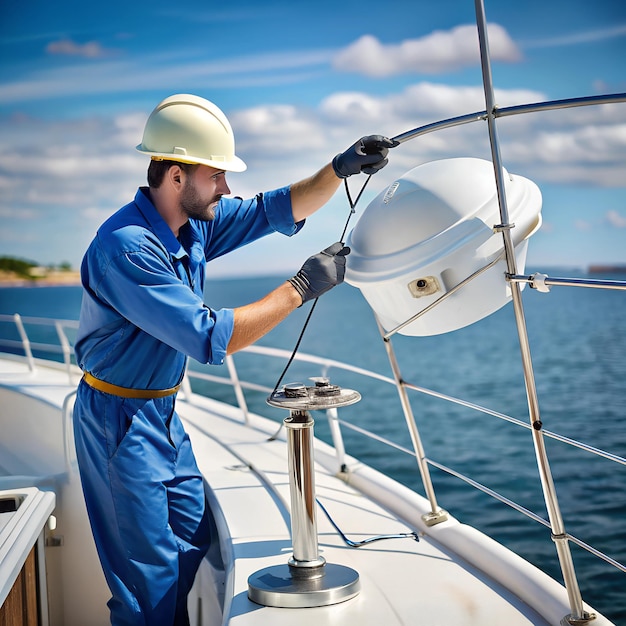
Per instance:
(158,224)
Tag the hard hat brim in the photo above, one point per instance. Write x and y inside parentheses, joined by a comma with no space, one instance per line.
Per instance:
(234,164)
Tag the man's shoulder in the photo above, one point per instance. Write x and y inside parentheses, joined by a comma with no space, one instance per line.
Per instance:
(126,219)
(126,230)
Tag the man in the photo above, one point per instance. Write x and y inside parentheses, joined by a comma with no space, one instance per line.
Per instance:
(143,314)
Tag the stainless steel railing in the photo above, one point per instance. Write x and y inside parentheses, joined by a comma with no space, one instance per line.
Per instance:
(490,114)
(323,366)
(31,347)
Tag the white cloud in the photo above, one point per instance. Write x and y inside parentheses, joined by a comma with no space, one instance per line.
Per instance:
(591,143)
(51,170)
(166,71)
(421,101)
(615,219)
(89,50)
(92,161)
(276,131)
(438,52)
(577,38)
(65,177)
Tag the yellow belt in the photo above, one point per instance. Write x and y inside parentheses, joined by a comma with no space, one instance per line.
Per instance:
(126,392)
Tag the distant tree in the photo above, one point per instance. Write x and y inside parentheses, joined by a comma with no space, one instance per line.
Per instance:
(20,267)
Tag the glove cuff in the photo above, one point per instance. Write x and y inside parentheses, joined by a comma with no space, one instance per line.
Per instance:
(335,163)
(298,284)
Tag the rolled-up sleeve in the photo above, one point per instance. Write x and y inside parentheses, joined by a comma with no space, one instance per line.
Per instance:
(220,335)
(145,290)
(238,222)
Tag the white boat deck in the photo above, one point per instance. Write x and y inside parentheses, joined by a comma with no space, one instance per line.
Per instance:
(402,581)
(430,582)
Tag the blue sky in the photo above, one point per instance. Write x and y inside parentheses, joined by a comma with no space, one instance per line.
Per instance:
(300,82)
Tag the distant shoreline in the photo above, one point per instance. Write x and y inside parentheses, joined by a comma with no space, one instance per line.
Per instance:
(72,278)
(54,279)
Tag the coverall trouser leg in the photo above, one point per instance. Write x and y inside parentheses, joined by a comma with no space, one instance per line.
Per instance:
(146,503)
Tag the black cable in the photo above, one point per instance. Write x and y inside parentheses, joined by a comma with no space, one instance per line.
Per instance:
(358,544)
(308,319)
(352,204)
(295,350)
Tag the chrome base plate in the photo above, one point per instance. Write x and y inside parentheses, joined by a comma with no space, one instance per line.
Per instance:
(275,586)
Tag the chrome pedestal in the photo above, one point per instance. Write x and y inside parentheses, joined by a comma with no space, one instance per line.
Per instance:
(306,580)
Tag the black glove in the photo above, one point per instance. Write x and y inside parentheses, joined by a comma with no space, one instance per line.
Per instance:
(321,272)
(367,155)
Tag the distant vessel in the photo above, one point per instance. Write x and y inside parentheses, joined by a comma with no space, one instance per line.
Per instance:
(607,269)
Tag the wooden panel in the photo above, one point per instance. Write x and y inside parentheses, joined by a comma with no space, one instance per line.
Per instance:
(21,607)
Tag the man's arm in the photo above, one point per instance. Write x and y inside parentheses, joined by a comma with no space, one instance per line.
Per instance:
(320,273)
(255,320)
(367,155)
(310,194)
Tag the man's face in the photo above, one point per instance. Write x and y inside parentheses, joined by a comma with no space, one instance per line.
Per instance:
(202,191)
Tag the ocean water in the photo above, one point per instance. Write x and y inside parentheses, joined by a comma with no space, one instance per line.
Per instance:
(578,345)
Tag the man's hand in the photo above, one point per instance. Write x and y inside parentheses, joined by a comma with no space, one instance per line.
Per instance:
(367,155)
(321,272)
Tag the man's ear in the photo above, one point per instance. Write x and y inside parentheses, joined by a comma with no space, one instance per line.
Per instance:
(174,175)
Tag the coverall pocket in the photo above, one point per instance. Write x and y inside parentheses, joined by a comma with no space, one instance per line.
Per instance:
(118,423)
(143,432)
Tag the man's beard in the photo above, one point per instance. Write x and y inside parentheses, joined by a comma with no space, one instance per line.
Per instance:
(195,207)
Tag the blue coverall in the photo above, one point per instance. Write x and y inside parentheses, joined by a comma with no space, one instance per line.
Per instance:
(142,314)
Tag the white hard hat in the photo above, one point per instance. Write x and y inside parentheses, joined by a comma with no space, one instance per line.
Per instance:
(190,129)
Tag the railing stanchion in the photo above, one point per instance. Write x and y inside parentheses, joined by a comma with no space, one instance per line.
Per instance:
(436,515)
(25,342)
(66,348)
(578,615)
(337,437)
(234,377)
